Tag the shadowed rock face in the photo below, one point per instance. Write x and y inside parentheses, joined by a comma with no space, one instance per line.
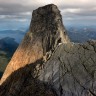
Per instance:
(69,68)
(23,83)
(46,31)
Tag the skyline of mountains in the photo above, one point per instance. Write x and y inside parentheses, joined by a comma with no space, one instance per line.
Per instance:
(76,33)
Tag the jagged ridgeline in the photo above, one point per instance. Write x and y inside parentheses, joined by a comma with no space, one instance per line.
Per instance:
(47,64)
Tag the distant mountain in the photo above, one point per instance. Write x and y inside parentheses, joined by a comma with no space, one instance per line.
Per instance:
(7,48)
(81,34)
(76,33)
(16,34)
(8,45)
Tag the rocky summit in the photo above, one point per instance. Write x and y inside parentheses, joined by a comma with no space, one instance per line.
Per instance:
(47,63)
(45,33)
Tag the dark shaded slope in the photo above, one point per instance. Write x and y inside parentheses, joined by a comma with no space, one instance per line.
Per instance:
(22,82)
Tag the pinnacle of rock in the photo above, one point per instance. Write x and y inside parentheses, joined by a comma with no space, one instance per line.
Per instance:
(45,33)
(40,67)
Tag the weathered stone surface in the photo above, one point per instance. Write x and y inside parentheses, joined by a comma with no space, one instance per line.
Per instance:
(46,31)
(72,69)
(50,68)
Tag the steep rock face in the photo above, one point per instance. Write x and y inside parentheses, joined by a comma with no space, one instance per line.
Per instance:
(46,31)
(71,69)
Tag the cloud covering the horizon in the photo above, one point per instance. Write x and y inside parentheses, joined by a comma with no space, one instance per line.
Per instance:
(71,10)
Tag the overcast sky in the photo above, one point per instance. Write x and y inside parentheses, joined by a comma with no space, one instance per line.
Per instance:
(17,13)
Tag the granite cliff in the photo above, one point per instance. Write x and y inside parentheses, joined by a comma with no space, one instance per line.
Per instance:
(47,63)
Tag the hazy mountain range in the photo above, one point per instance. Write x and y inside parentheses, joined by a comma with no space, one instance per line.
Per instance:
(76,33)
(82,33)
(16,34)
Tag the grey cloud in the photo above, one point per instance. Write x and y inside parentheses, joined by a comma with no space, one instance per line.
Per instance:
(15,9)
(18,10)
(81,13)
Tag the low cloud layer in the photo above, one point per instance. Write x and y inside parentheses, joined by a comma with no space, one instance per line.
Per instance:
(21,10)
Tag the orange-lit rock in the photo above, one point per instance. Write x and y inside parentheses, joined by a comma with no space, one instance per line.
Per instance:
(45,33)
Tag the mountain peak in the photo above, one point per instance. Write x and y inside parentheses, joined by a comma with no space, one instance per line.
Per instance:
(45,33)
(47,8)
(47,64)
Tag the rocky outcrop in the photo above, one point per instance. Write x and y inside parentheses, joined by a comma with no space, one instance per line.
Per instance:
(48,64)
(72,69)
(46,32)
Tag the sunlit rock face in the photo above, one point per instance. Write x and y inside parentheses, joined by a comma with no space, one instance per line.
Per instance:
(45,33)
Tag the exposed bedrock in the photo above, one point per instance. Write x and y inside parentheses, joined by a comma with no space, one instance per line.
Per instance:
(45,33)
(72,69)
(47,64)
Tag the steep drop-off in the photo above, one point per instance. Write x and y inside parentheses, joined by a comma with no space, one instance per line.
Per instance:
(48,64)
